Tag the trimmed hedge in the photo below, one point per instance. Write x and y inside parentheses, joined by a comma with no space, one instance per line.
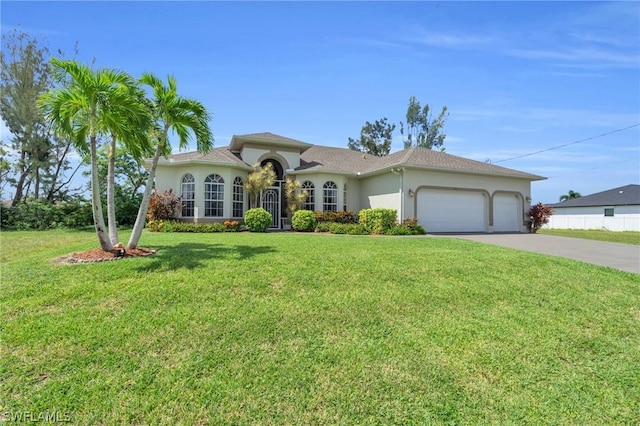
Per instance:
(303,221)
(378,221)
(178,226)
(338,217)
(257,220)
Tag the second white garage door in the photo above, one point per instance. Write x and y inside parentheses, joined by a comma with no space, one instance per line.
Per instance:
(507,216)
(445,210)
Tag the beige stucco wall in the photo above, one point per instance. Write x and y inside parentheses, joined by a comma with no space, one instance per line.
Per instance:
(289,158)
(386,190)
(319,179)
(381,191)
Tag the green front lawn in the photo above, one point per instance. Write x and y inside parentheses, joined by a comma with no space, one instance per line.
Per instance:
(315,329)
(627,237)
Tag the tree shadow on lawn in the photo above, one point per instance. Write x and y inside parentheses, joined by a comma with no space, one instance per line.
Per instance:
(196,255)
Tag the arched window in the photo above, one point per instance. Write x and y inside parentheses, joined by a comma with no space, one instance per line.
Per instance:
(188,193)
(238,197)
(330,197)
(214,196)
(310,201)
(344,197)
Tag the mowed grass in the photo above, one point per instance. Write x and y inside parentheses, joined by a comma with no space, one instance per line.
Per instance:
(316,329)
(626,237)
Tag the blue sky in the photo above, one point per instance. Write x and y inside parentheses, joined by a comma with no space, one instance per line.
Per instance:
(517,77)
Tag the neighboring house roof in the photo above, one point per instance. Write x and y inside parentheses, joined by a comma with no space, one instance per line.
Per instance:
(622,196)
(317,158)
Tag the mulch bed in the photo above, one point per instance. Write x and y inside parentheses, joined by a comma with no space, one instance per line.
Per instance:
(98,255)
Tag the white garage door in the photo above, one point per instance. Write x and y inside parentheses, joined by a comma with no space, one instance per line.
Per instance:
(441,210)
(506,213)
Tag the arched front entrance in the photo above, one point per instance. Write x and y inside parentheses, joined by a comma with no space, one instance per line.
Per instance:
(273,199)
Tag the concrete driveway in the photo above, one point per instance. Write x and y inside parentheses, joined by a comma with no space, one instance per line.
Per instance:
(625,257)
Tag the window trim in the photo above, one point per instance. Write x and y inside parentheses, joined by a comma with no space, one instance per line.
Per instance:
(609,210)
(344,197)
(237,197)
(329,196)
(310,201)
(188,203)
(214,195)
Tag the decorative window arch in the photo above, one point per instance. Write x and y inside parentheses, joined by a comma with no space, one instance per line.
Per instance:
(330,197)
(310,201)
(188,194)
(238,197)
(214,196)
(344,197)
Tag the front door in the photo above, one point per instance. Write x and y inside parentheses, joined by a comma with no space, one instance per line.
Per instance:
(271,203)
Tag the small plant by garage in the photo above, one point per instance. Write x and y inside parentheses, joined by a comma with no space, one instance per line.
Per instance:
(538,217)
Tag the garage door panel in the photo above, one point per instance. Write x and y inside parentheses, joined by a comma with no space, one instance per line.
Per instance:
(506,213)
(452,211)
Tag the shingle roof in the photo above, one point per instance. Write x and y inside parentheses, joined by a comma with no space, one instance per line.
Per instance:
(216,155)
(238,140)
(622,196)
(342,160)
(331,159)
(267,136)
(427,158)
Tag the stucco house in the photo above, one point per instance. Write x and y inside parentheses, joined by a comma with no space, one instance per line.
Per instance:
(444,192)
(616,209)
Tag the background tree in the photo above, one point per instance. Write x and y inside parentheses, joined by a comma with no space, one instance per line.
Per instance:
(39,159)
(422,129)
(129,180)
(259,179)
(86,105)
(375,138)
(570,196)
(171,112)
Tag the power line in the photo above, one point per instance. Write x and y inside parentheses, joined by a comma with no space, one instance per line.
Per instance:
(567,144)
(592,168)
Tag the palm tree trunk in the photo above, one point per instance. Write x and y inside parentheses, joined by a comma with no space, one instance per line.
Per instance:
(111,187)
(144,204)
(96,202)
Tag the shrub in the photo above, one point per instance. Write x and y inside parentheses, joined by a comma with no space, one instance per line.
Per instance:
(347,228)
(378,221)
(356,229)
(39,215)
(322,227)
(338,217)
(257,220)
(303,221)
(399,230)
(127,209)
(412,224)
(538,216)
(178,226)
(337,228)
(164,206)
(231,226)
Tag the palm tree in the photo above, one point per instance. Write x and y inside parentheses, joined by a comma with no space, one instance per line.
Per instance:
(183,116)
(570,196)
(133,133)
(90,103)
